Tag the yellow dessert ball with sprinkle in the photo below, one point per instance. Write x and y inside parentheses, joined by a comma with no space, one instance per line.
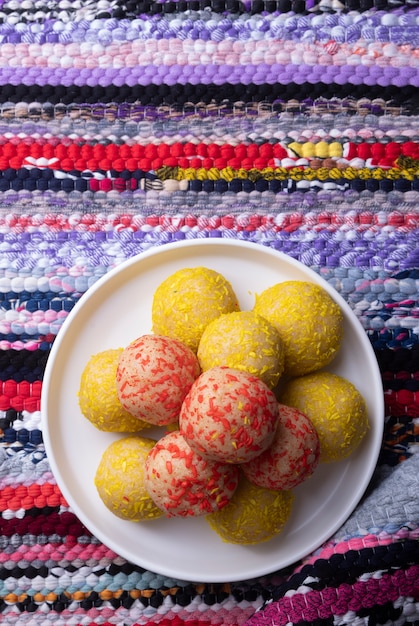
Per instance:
(120,479)
(253,515)
(336,409)
(188,300)
(98,396)
(309,321)
(246,341)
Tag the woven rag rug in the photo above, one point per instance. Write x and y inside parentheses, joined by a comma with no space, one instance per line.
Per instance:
(125,125)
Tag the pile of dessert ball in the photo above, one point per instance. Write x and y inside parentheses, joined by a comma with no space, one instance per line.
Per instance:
(247,408)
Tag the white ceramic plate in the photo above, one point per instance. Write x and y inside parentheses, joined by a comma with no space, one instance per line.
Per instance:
(116,310)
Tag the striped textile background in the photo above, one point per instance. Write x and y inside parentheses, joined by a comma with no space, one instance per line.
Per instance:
(125,125)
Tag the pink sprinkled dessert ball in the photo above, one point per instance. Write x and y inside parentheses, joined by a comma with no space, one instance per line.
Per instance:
(182,483)
(229,415)
(153,376)
(291,458)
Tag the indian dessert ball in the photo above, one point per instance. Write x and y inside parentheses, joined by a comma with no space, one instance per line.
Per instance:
(336,409)
(120,479)
(188,300)
(98,395)
(253,515)
(309,321)
(229,415)
(153,376)
(246,341)
(182,483)
(291,458)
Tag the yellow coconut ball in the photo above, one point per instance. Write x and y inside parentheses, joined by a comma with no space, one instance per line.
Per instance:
(253,515)
(98,397)
(119,479)
(336,409)
(188,300)
(246,341)
(309,321)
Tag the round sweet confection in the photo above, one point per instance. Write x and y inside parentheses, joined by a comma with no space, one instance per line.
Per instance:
(229,415)
(253,515)
(309,321)
(182,483)
(246,341)
(98,396)
(120,479)
(336,409)
(188,300)
(291,458)
(153,376)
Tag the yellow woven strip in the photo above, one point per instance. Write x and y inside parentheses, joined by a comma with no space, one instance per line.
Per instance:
(293,173)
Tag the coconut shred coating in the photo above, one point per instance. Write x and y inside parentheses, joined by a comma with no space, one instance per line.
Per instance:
(119,479)
(336,409)
(188,300)
(98,395)
(246,341)
(253,515)
(309,321)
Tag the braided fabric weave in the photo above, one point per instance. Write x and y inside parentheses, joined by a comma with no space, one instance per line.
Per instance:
(125,125)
